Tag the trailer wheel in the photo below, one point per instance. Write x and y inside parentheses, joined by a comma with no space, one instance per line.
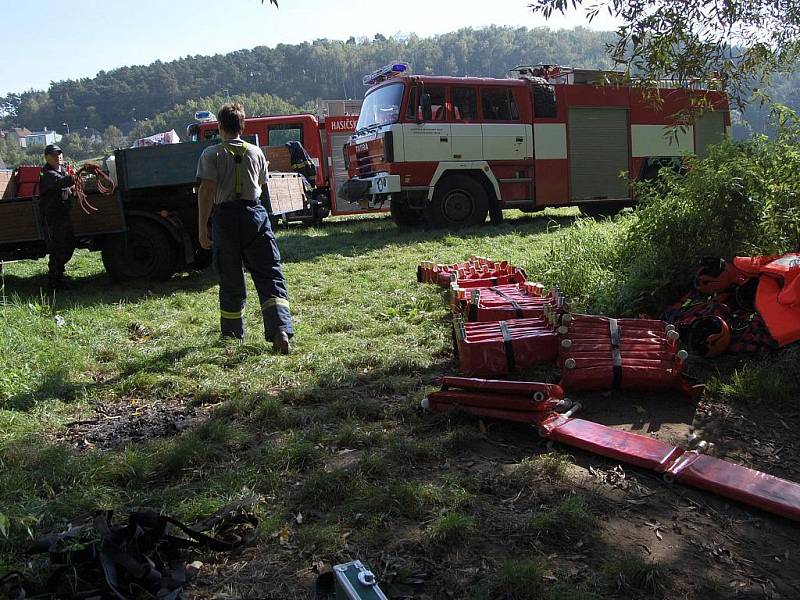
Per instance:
(202,258)
(458,201)
(403,215)
(146,251)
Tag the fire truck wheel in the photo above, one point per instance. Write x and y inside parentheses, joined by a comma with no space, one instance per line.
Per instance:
(403,215)
(459,201)
(146,252)
(601,209)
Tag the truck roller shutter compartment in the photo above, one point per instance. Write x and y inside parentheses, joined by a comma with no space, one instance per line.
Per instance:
(709,129)
(598,151)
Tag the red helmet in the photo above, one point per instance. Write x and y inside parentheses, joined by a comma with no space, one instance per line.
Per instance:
(710,335)
(713,276)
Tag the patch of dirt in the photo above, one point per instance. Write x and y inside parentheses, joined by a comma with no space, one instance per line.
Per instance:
(131,420)
(757,436)
(705,546)
(343,459)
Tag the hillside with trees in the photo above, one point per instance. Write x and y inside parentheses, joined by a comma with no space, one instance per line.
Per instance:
(164,95)
(182,114)
(297,73)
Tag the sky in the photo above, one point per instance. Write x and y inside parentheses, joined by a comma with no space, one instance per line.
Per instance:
(73,40)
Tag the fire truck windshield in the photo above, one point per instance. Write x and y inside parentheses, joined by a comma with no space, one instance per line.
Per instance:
(381,106)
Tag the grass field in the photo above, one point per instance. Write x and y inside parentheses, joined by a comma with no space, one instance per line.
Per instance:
(124,396)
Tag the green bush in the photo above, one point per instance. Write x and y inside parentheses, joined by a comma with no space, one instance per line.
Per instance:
(772,379)
(583,261)
(743,199)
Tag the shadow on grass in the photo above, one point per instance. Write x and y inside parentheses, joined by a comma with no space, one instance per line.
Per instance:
(99,290)
(348,238)
(57,384)
(357,237)
(649,539)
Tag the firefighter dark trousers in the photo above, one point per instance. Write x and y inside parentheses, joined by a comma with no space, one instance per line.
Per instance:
(243,237)
(59,238)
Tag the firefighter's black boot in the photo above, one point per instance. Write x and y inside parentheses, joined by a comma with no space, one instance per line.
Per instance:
(280,343)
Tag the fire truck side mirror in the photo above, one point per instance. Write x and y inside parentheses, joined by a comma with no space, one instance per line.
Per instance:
(425,104)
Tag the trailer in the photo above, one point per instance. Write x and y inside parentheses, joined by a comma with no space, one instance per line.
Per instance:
(148,228)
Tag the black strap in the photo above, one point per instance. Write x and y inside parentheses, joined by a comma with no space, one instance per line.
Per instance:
(141,555)
(14,585)
(509,346)
(514,304)
(472,307)
(616,356)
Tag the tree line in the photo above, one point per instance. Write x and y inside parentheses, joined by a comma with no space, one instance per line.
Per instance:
(298,73)
(78,149)
(162,95)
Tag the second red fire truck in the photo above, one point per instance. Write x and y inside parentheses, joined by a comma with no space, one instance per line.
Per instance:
(448,151)
(323,138)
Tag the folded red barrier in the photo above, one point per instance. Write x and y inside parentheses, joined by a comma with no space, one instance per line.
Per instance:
(568,345)
(519,401)
(639,379)
(514,276)
(734,481)
(632,448)
(503,302)
(499,401)
(530,417)
(600,353)
(502,386)
(600,322)
(477,271)
(603,359)
(635,336)
(724,478)
(502,347)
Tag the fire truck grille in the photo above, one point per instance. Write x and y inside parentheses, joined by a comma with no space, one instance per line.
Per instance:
(368,164)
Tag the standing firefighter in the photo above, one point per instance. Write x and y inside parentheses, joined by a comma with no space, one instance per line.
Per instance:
(233,179)
(56,193)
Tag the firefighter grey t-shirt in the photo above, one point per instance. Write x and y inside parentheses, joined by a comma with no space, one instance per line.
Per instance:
(218,164)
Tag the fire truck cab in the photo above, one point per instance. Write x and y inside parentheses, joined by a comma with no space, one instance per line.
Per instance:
(448,151)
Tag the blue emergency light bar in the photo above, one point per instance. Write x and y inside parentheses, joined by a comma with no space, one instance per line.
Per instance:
(204,116)
(384,73)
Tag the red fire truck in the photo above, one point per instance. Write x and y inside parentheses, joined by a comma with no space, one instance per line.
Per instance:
(447,151)
(323,139)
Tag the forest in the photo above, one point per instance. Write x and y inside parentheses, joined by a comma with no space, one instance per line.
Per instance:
(296,73)
(140,100)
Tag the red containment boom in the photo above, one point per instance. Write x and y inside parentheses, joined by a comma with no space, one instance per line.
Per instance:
(501,347)
(490,399)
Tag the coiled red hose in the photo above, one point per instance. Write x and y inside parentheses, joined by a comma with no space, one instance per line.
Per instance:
(105,185)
